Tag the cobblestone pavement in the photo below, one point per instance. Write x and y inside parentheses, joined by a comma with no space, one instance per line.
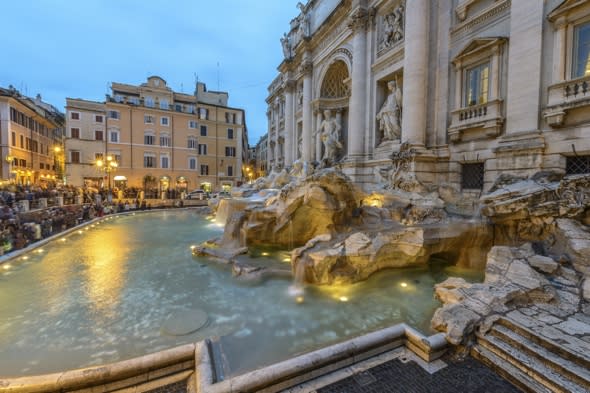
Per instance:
(467,376)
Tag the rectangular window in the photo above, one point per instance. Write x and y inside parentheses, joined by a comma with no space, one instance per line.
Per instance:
(149,102)
(22,142)
(581,62)
(148,139)
(98,135)
(191,143)
(13,138)
(148,119)
(41,165)
(165,140)
(164,104)
(192,124)
(178,108)
(149,161)
(203,113)
(98,118)
(577,165)
(99,156)
(472,176)
(114,136)
(204,170)
(203,149)
(230,133)
(74,157)
(75,133)
(75,116)
(476,85)
(192,163)
(114,115)
(230,151)
(133,100)
(164,121)
(164,162)
(203,130)
(230,170)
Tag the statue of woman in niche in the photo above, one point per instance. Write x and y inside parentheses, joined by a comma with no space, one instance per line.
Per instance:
(304,21)
(329,131)
(389,116)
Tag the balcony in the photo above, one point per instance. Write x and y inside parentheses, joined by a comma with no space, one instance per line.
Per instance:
(479,121)
(568,97)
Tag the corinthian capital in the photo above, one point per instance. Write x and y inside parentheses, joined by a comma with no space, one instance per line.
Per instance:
(359,20)
(306,67)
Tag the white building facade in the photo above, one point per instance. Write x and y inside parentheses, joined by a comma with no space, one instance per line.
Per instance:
(471,88)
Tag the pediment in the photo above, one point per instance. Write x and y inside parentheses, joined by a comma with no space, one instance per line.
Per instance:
(478,45)
(566,7)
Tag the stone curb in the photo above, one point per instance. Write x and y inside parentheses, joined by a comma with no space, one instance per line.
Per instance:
(303,368)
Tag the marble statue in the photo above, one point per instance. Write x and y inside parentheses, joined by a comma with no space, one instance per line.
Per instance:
(304,21)
(329,131)
(393,28)
(286,43)
(389,116)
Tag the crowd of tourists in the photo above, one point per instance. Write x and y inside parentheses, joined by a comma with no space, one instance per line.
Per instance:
(48,211)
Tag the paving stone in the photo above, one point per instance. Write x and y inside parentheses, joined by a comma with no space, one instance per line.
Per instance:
(528,311)
(467,376)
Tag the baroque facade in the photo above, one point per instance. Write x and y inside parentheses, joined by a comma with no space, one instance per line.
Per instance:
(160,139)
(469,89)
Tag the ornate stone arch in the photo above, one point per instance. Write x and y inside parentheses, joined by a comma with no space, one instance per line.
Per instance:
(334,77)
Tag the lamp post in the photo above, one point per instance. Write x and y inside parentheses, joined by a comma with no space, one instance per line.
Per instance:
(109,166)
(9,161)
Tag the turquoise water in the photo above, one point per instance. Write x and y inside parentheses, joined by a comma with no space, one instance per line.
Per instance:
(102,294)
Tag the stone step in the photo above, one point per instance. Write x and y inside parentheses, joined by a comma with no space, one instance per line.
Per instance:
(579,358)
(579,374)
(534,368)
(508,371)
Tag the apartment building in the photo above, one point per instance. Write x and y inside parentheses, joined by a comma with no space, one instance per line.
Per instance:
(159,139)
(30,140)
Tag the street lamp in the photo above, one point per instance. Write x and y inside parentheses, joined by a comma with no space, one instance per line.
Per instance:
(109,166)
(9,161)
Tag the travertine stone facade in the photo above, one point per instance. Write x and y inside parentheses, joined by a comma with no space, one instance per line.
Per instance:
(477,88)
(160,139)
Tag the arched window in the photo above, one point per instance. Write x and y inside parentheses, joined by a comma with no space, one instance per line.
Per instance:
(333,85)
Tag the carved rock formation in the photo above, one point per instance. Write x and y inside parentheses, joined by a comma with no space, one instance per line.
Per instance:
(355,257)
(515,276)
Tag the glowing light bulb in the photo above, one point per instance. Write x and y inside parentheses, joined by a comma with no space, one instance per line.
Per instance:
(343,299)
(6,266)
(25,258)
(404,285)
(264,254)
(299,299)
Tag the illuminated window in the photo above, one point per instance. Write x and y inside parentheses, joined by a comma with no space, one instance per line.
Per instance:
(476,84)
(581,62)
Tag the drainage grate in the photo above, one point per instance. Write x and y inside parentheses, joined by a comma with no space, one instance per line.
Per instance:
(364,378)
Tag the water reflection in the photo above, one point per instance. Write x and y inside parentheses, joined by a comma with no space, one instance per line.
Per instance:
(103,295)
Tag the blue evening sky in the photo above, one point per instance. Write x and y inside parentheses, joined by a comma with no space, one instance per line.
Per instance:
(75,48)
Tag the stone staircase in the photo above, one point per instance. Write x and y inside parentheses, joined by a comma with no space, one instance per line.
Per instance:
(532,361)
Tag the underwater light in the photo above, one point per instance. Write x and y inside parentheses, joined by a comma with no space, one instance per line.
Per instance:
(404,285)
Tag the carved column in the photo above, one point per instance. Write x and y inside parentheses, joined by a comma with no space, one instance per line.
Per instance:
(289,127)
(318,137)
(306,69)
(559,50)
(277,111)
(268,139)
(357,112)
(415,72)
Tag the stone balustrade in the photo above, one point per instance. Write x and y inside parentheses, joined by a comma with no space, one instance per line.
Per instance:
(486,118)
(565,97)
